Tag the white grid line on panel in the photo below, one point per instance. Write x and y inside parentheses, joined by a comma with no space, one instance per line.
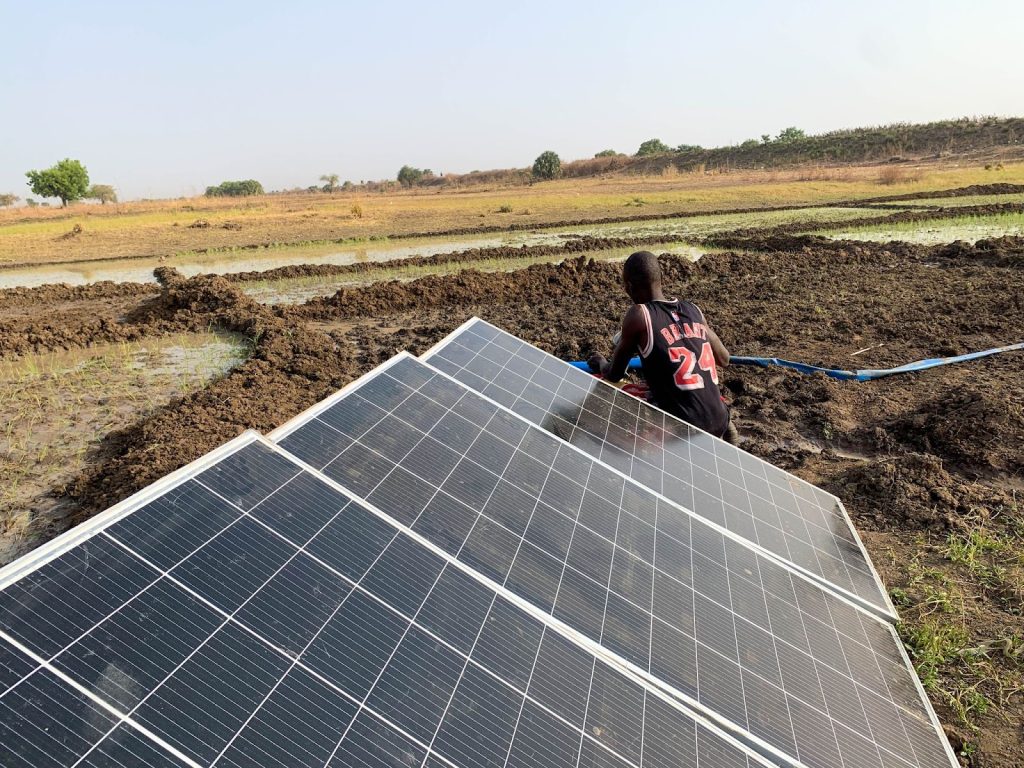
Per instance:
(122,717)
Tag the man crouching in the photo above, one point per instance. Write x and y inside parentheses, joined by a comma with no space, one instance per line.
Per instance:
(679,351)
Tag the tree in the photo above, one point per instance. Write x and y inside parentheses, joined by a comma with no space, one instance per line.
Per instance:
(689,148)
(408,176)
(235,189)
(548,165)
(766,138)
(750,143)
(6,200)
(102,192)
(607,153)
(67,180)
(790,134)
(331,180)
(653,147)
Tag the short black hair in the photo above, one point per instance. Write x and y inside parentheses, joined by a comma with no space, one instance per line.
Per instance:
(642,268)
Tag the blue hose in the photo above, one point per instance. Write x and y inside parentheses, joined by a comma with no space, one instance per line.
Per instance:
(861,375)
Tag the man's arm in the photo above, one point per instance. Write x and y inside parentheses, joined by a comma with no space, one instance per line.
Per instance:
(632,338)
(722,356)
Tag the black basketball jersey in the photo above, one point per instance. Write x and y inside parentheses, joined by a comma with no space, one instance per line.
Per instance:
(679,365)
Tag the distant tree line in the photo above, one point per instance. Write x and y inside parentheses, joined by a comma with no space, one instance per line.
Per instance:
(244,188)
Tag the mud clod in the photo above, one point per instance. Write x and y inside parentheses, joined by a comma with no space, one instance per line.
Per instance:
(915,490)
(973,428)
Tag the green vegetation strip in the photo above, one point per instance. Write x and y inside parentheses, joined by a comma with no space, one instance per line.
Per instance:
(935,230)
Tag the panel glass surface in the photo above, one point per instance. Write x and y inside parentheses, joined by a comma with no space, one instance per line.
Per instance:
(773,653)
(284,624)
(761,503)
(45,721)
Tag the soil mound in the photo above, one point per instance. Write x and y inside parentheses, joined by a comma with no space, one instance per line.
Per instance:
(995,252)
(971,191)
(970,428)
(291,368)
(913,491)
(567,249)
(11,298)
(538,284)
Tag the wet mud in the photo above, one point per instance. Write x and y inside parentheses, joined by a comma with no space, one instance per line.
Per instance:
(573,245)
(733,237)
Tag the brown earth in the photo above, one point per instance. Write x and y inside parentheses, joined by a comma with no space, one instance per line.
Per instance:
(917,458)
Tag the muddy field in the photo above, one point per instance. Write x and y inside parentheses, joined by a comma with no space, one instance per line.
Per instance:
(931,465)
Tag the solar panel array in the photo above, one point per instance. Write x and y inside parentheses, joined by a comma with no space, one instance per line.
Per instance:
(689,606)
(417,576)
(773,509)
(256,615)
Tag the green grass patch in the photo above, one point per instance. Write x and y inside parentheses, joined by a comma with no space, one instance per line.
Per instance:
(961,202)
(933,231)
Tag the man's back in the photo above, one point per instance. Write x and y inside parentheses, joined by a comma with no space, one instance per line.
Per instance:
(679,364)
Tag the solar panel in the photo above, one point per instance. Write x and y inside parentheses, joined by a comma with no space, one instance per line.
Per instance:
(689,607)
(775,510)
(246,612)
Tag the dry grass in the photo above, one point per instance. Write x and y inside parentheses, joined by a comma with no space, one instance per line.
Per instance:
(160,228)
(55,408)
(891,175)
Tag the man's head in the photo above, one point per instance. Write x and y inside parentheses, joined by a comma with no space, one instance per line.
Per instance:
(641,277)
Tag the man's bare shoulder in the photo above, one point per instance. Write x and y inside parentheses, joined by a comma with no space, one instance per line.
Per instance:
(634,317)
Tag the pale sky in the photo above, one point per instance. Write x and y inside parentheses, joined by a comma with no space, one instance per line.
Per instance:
(161,100)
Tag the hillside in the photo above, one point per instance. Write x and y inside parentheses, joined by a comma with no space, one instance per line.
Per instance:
(887,143)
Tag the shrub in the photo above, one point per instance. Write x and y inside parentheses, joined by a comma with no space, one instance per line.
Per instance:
(893,174)
(357,211)
(792,133)
(7,200)
(330,182)
(548,165)
(505,209)
(606,153)
(408,176)
(102,192)
(653,147)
